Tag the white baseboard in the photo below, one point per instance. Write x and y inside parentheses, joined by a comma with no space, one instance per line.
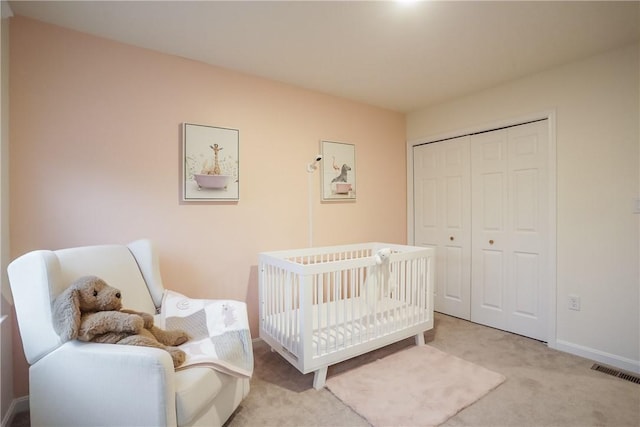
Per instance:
(20,404)
(613,360)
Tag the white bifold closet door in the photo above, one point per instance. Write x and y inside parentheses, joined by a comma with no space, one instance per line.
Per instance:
(509,254)
(481,200)
(442,219)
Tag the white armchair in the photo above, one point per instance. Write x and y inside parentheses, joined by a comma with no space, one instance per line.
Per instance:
(82,384)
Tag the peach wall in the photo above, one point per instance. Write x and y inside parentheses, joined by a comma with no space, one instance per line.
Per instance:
(6,301)
(95,149)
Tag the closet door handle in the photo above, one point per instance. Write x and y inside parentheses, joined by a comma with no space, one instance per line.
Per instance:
(451,238)
(491,242)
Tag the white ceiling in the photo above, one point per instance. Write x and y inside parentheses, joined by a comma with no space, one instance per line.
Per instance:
(399,56)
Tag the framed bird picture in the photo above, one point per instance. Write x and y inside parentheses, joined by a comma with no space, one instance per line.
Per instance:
(338,173)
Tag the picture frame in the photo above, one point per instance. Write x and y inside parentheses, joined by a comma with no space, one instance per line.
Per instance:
(210,159)
(338,172)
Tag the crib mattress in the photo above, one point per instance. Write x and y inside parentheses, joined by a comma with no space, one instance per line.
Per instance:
(345,322)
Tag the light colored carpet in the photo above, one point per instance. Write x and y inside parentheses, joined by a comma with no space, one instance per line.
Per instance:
(544,387)
(419,386)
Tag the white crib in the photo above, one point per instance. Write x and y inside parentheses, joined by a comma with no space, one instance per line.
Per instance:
(320,306)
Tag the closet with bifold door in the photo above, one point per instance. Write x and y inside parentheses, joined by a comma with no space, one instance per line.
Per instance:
(481,200)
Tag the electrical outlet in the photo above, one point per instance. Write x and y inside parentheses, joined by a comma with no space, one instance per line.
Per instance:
(574,302)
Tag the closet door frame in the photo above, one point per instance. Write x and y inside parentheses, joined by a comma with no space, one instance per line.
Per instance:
(551,276)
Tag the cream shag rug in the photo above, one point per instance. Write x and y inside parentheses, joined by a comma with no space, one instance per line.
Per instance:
(420,386)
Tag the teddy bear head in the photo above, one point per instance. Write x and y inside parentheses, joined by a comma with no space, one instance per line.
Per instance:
(382,255)
(87,294)
(94,294)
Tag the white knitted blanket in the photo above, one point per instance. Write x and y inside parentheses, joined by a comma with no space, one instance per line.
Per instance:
(219,330)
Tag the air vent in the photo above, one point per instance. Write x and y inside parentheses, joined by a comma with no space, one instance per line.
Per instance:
(616,373)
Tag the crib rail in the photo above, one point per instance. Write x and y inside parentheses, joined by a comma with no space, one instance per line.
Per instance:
(319,303)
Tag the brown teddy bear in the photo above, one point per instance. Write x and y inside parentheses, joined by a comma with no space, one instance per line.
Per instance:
(90,310)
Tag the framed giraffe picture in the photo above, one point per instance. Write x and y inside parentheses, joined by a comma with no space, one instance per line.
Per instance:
(210,163)
(338,172)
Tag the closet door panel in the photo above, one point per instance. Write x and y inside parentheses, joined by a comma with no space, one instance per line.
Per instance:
(489,175)
(490,292)
(442,219)
(509,229)
(454,275)
(525,213)
(491,199)
(454,193)
(526,279)
(427,190)
(529,231)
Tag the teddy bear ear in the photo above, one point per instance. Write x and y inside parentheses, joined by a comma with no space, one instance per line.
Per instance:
(66,314)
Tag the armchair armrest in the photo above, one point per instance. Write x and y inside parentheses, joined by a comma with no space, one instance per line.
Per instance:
(104,380)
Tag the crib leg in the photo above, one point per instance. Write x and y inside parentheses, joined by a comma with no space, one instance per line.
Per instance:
(319,378)
(420,338)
